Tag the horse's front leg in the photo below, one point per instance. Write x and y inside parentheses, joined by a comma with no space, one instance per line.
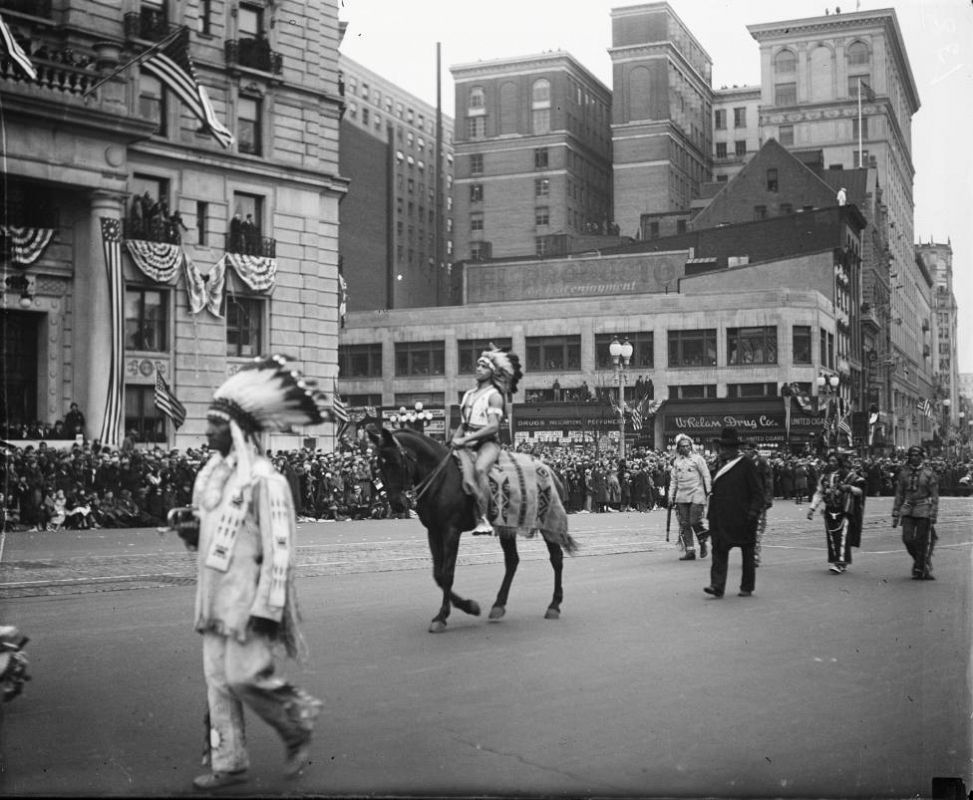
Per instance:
(510,561)
(445,547)
(557,562)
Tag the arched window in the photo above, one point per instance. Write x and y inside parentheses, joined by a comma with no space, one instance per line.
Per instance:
(858,53)
(476,97)
(785,61)
(540,106)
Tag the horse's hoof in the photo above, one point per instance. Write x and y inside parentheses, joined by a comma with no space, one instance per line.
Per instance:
(474,608)
(437,626)
(497,612)
(553,613)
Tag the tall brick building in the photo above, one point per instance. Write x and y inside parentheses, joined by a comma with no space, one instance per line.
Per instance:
(533,154)
(71,160)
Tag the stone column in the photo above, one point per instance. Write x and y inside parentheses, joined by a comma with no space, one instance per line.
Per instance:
(92,313)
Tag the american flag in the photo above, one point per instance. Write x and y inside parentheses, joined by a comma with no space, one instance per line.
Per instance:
(167,403)
(173,66)
(12,50)
(637,418)
(845,428)
(111,240)
(340,411)
(925,407)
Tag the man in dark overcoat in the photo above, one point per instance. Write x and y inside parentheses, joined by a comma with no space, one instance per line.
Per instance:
(734,507)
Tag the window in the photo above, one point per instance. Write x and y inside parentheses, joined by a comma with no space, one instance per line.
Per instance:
(152,102)
(786,208)
(857,53)
(654,230)
(801,335)
(479,251)
(680,226)
(739,117)
(476,192)
(364,116)
(420,358)
(146,320)
(541,246)
(476,127)
(740,147)
(855,130)
(541,106)
(785,94)
(771,180)
(859,159)
(785,62)
(248,125)
(245,229)
(364,91)
(786,134)
(360,360)
(468,351)
(722,178)
(202,222)
(553,353)
(205,17)
(477,100)
(827,349)
(540,158)
(643,356)
(542,187)
(250,21)
(744,390)
(721,149)
(692,348)
(760,212)
(699,391)
(757,345)
(142,416)
(476,222)
(476,164)
(542,216)
(244,326)
(720,119)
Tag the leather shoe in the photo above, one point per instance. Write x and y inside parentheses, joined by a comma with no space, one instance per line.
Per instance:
(690,556)
(744,594)
(217,780)
(703,549)
(713,591)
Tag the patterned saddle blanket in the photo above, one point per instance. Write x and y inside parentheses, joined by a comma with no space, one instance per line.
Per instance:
(525,496)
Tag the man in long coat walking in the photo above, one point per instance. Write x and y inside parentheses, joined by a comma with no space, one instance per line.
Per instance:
(735,504)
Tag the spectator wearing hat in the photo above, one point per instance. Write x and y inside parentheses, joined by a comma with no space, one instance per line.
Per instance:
(916,506)
(735,504)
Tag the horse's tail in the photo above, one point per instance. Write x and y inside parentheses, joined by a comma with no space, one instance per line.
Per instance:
(568,543)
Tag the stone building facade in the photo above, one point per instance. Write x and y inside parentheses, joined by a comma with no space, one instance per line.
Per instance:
(73,160)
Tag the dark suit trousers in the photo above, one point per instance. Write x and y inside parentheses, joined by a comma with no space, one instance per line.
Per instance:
(720,564)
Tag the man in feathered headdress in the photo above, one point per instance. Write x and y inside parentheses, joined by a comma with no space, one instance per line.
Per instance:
(245,595)
(481,412)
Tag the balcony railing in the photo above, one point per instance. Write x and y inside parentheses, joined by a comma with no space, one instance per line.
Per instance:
(152,230)
(253,54)
(251,244)
(61,70)
(151,24)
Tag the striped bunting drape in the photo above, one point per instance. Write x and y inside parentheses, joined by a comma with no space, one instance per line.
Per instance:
(257,272)
(159,261)
(27,244)
(206,291)
(111,426)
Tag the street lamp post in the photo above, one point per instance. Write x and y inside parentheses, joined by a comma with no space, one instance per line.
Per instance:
(621,352)
(960,432)
(945,437)
(415,418)
(829,385)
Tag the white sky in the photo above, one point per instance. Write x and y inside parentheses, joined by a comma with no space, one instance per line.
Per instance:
(397,39)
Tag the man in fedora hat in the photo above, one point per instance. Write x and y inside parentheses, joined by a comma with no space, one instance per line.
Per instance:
(735,504)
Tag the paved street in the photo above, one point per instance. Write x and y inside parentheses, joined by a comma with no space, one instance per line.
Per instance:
(819,685)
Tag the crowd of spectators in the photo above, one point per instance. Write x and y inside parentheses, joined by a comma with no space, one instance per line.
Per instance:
(85,485)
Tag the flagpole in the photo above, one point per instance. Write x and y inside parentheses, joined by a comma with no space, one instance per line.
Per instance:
(138,59)
(860,156)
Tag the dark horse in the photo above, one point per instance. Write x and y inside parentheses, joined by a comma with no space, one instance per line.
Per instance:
(409,459)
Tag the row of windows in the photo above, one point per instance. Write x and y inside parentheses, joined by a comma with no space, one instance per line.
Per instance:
(147,322)
(785,94)
(785,61)
(739,118)
(755,345)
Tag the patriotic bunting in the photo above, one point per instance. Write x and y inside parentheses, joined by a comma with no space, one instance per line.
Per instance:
(206,291)
(257,272)
(10,48)
(26,244)
(159,261)
(111,426)
(342,298)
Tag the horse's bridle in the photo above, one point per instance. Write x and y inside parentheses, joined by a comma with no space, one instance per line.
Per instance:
(408,466)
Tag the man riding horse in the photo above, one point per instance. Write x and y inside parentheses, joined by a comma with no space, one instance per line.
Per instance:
(481,412)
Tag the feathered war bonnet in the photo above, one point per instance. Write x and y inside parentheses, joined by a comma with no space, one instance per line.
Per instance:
(268,395)
(505,367)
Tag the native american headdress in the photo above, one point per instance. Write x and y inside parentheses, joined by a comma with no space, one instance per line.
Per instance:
(268,395)
(505,367)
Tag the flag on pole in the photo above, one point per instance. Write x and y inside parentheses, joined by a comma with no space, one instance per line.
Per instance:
(11,49)
(111,424)
(867,92)
(342,298)
(173,66)
(340,411)
(925,407)
(167,403)
(845,428)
